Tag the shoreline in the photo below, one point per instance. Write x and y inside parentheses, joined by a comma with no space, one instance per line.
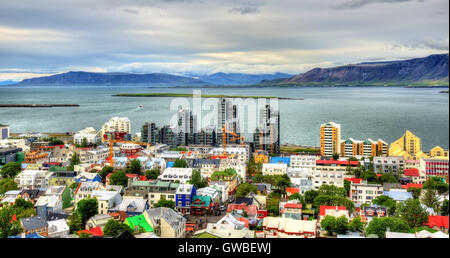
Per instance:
(163,95)
(37,105)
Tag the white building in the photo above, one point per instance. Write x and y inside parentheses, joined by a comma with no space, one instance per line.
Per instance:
(223,186)
(365,193)
(33,179)
(88,133)
(116,124)
(183,175)
(274,168)
(330,175)
(85,190)
(238,166)
(238,153)
(211,192)
(304,161)
(14,143)
(58,228)
(107,199)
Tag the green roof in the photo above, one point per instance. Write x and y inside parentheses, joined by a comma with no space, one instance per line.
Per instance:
(139,221)
(205,199)
(205,235)
(157,183)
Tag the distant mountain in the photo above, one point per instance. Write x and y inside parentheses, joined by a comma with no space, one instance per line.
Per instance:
(7,82)
(240,78)
(431,70)
(88,78)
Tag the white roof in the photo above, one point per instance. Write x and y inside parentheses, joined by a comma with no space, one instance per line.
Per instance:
(49,200)
(104,195)
(59,225)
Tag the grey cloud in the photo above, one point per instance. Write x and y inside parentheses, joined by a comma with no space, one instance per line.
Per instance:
(131,11)
(353,4)
(244,10)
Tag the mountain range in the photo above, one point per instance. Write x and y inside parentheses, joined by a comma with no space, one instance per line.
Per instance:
(240,78)
(431,70)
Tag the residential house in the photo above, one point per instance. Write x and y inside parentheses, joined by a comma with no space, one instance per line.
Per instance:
(227,227)
(88,177)
(48,204)
(58,228)
(222,187)
(335,211)
(274,169)
(277,227)
(35,224)
(201,205)
(153,191)
(183,197)
(166,223)
(181,175)
(364,193)
(107,199)
(369,212)
(85,189)
(131,206)
(33,179)
(98,220)
(438,223)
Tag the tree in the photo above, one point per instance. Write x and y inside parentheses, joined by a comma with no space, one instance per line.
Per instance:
(119,178)
(369,176)
(84,143)
(8,227)
(21,203)
(11,169)
(135,167)
(85,235)
(430,199)
(197,180)
(152,174)
(7,184)
(387,201)
(180,163)
(388,178)
(310,195)
(415,191)
(436,184)
(334,225)
(282,182)
(299,197)
(347,185)
(244,189)
(379,226)
(113,228)
(332,190)
(412,213)
(75,160)
(75,223)
(87,208)
(66,198)
(273,206)
(356,225)
(106,171)
(444,208)
(258,178)
(165,203)
(335,156)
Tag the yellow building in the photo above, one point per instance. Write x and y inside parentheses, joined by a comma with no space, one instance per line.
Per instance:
(351,148)
(438,153)
(261,158)
(408,146)
(369,147)
(330,139)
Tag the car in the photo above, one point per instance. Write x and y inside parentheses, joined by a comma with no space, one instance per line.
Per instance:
(222,208)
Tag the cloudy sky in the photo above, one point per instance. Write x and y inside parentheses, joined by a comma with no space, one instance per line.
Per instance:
(207,36)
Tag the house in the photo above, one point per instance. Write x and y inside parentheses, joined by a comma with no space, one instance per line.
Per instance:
(31,195)
(415,175)
(274,169)
(138,223)
(98,220)
(399,195)
(438,223)
(88,177)
(206,166)
(369,212)
(58,228)
(229,176)
(11,196)
(85,189)
(292,210)
(292,190)
(56,216)
(36,224)
(181,175)
(183,197)
(335,211)
(263,188)
(222,187)
(153,191)
(227,227)
(246,200)
(251,210)
(131,206)
(276,227)
(259,200)
(48,204)
(94,232)
(166,223)
(364,193)
(201,205)
(107,199)
(212,192)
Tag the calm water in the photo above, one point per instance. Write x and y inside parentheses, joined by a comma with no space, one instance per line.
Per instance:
(362,112)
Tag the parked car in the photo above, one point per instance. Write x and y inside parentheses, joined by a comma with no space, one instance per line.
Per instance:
(222,208)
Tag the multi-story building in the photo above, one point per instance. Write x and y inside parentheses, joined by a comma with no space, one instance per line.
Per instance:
(267,136)
(33,179)
(277,227)
(233,152)
(107,199)
(365,193)
(183,197)
(115,124)
(166,223)
(181,175)
(439,152)
(331,172)
(89,133)
(206,166)
(14,144)
(8,155)
(330,139)
(274,169)
(4,132)
(434,167)
(152,190)
(408,146)
(388,164)
(238,166)
(367,148)
(227,118)
(304,161)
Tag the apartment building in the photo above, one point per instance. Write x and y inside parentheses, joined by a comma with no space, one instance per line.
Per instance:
(364,193)
(33,179)
(115,124)
(181,175)
(274,169)
(331,172)
(409,146)
(388,164)
(330,139)
(88,133)
(434,167)
(153,191)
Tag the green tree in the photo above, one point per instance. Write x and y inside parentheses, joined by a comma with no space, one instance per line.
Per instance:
(119,178)
(369,176)
(197,180)
(75,160)
(85,235)
(113,228)
(436,184)
(341,225)
(273,206)
(180,163)
(66,198)
(415,191)
(332,190)
(258,178)
(87,208)
(105,171)
(244,189)
(75,223)
(7,184)
(412,213)
(356,225)
(21,203)
(431,199)
(165,203)
(336,156)
(84,143)
(347,185)
(8,227)
(379,226)
(135,167)
(386,201)
(152,174)
(444,208)
(11,169)
(329,224)
(388,178)
(282,182)
(299,197)
(310,195)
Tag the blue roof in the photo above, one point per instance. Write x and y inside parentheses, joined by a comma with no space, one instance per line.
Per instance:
(285,160)
(170,164)
(398,196)
(34,235)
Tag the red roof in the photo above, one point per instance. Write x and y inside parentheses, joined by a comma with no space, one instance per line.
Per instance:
(292,190)
(219,157)
(378,175)
(251,210)
(408,185)
(324,208)
(133,157)
(97,231)
(438,221)
(293,205)
(337,162)
(245,221)
(411,172)
(354,180)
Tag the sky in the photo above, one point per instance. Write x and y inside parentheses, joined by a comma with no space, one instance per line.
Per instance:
(207,36)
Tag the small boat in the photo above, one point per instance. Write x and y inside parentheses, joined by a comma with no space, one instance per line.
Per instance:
(140,106)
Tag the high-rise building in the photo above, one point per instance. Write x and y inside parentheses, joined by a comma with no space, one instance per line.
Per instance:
(267,135)
(408,146)
(369,148)
(116,125)
(228,118)
(330,139)
(150,133)
(4,132)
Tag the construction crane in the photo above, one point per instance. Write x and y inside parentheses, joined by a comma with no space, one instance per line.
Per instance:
(111,145)
(224,139)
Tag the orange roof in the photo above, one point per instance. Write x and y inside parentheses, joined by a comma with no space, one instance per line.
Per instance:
(97,231)
(245,221)
(354,180)
(438,221)
(323,209)
(408,185)
(292,190)
(189,229)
